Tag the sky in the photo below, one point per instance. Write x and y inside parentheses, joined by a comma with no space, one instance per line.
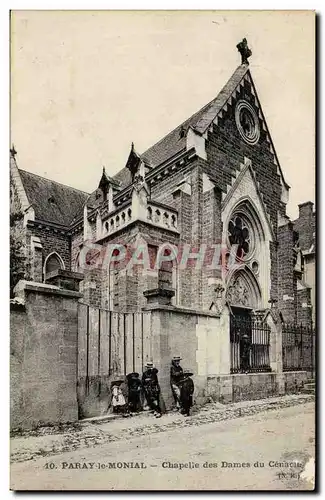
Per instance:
(85,84)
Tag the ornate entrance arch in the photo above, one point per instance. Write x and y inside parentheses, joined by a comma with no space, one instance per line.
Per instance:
(243,290)
(249,337)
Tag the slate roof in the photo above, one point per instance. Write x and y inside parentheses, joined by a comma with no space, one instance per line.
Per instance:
(174,142)
(94,199)
(124,177)
(68,202)
(52,201)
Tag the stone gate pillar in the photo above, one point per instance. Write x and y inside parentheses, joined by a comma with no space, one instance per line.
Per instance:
(276,362)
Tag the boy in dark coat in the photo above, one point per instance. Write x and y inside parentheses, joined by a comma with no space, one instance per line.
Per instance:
(186,392)
(134,388)
(151,388)
(176,374)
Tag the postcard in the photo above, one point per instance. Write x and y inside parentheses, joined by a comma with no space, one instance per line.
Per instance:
(162,250)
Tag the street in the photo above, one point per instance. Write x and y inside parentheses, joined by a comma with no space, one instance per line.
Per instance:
(226,455)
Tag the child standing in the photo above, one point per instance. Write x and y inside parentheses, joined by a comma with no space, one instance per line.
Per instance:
(186,392)
(118,399)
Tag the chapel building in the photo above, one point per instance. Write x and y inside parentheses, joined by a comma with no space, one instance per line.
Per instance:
(213,180)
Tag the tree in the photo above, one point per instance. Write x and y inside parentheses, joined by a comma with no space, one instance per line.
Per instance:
(17,251)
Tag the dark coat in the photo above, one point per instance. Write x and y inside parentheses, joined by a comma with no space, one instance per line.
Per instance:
(134,384)
(187,389)
(176,373)
(150,382)
(245,346)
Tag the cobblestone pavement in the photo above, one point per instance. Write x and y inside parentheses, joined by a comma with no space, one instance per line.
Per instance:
(48,441)
(267,450)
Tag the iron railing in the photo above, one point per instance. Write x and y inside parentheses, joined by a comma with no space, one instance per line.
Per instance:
(298,347)
(249,345)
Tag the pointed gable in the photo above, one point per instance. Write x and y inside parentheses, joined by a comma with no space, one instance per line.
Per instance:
(240,83)
(175,141)
(245,186)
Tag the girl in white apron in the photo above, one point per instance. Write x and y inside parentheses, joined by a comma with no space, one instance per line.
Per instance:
(118,399)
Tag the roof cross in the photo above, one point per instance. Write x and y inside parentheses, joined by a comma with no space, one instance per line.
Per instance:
(13,152)
(244,50)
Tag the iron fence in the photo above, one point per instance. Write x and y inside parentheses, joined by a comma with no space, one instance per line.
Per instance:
(298,347)
(249,345)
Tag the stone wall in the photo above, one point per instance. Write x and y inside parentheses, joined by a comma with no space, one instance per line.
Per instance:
(232,388)
(64,355)
(193,335)
(245,387)
(52,240)
(43,355)
(202,341)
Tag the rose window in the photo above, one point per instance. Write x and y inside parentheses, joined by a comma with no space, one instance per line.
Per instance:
(247,122)
(239,234)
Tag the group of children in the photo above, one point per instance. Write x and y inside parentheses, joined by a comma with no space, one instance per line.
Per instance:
(128,394)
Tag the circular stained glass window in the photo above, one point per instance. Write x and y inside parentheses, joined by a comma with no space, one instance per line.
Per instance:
(247,122)
(239,233)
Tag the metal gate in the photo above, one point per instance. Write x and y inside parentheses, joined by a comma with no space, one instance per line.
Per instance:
(249,345)
(298,347)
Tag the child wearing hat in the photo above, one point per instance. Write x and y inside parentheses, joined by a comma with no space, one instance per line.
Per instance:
(176,374)
(186,392)
(151,388)
(134,388)
(118,399)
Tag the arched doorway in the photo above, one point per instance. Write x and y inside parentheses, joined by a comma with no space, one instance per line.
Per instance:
(249,338)
(243,291)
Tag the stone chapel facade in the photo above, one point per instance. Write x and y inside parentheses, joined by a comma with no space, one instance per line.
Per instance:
(215,179)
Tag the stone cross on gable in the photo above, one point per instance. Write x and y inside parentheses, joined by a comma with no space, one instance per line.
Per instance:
(13,152)
(244,50)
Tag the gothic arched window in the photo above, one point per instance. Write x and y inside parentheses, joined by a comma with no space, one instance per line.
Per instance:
(240,233)
(53,262)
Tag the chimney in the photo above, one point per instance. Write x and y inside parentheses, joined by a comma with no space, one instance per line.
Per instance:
(306,210)
(305,225)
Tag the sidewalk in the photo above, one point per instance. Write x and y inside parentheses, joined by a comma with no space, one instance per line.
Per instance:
(49,441)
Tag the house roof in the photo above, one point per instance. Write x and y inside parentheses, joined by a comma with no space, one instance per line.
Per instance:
(52,201)
(175,141)
(307,233)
